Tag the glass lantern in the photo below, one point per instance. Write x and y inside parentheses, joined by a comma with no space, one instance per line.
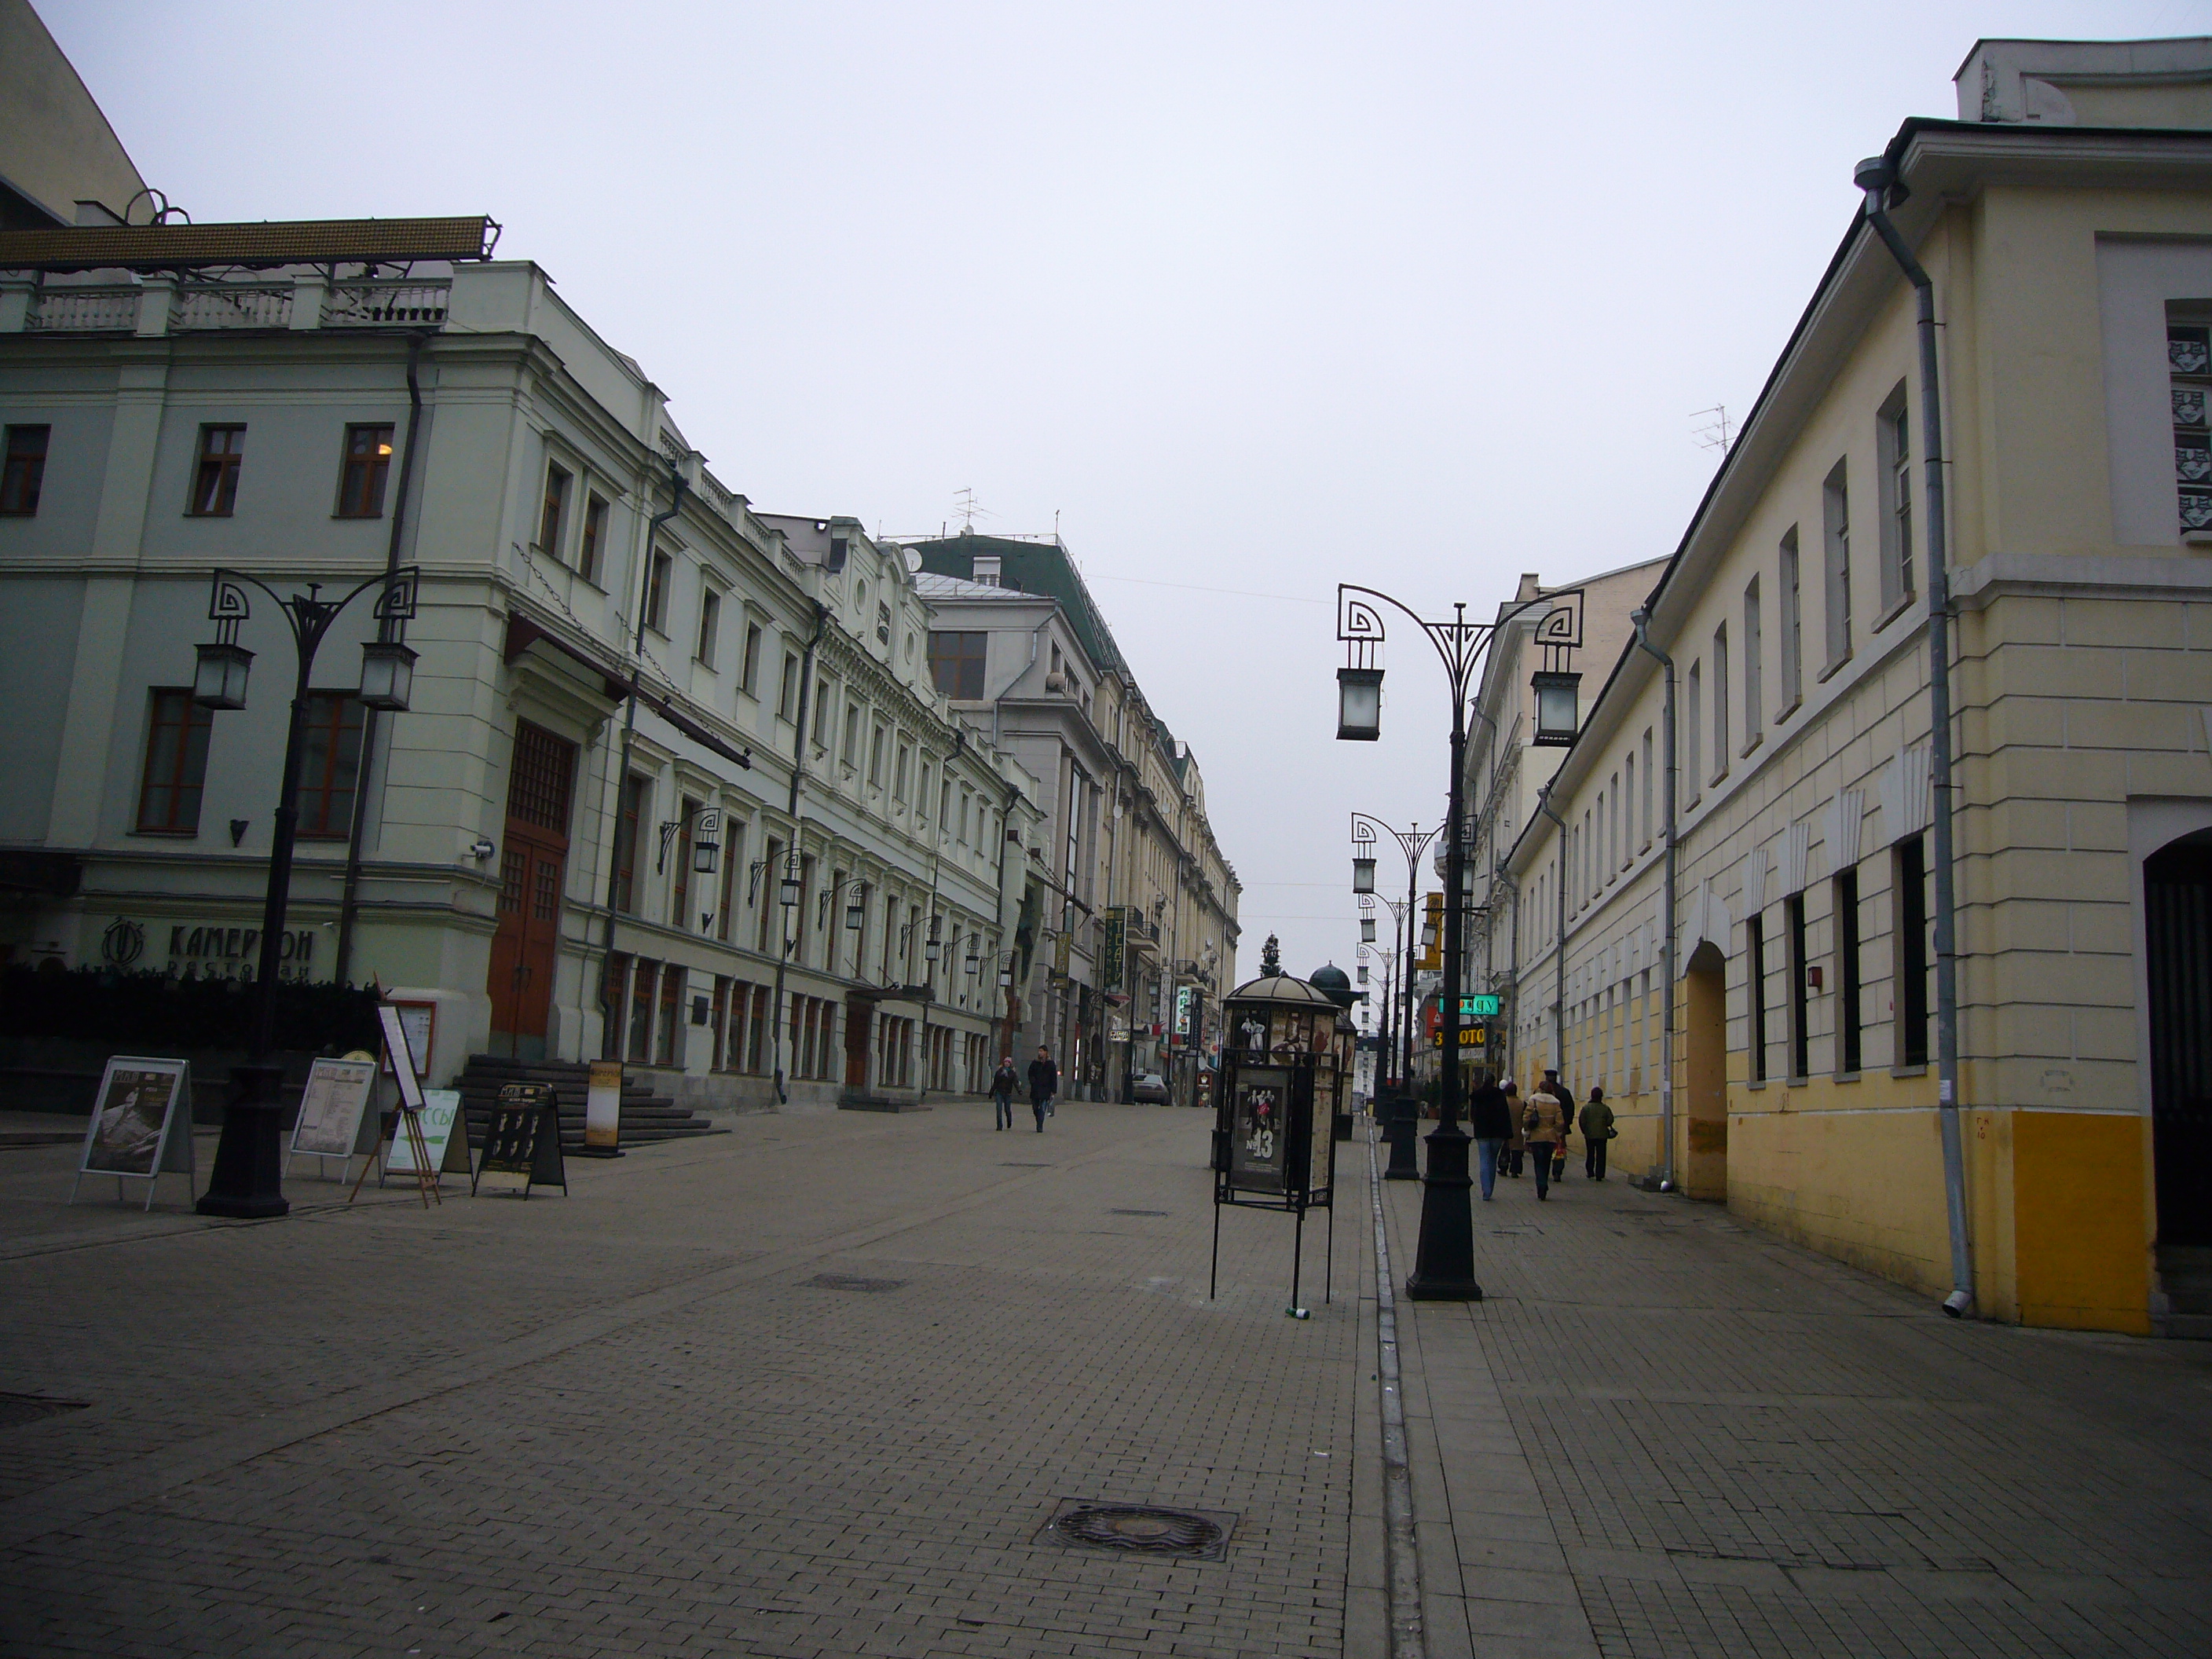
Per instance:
(219,680)
(1359,704)
(387,675)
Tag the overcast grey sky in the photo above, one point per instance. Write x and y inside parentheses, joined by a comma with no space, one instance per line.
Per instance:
(1257,298)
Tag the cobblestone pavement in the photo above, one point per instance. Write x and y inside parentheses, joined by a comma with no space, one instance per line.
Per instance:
(1664,1433)
(813,1387)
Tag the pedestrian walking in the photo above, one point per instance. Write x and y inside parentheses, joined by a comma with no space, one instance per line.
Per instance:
(1543,1121)
(1003,1082)
(1565,1096)
(1597,1129)
(1516,1147)
(1490,1116)
(1044,1084)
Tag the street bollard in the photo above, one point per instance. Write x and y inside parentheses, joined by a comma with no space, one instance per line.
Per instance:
(1404,1138)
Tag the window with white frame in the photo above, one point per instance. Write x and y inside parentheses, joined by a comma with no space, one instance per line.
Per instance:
(1894,451)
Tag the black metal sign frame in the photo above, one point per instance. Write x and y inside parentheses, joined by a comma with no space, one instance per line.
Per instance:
(1274,1145)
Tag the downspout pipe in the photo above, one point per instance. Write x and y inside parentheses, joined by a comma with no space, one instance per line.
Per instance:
(679,484)
(349,901)
(1641,618)
(792,854)
(1877,177)
(1559,952)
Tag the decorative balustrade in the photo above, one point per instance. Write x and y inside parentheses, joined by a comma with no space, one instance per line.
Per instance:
(85,309)
(386,304)
(232,305)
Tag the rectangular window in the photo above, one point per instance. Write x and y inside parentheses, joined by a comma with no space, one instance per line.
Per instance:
(659,577)
(1648,769)
(1836,531)
(1628,810)
(614,995)
(876,758)
(1693,726)
(851,753)
(956,662)
(671,1015)
(362,475)
(25,472)
(822,690)
(214,480)
(787,697)
(710,625)
(1801,1039)
(733,861)
(1754,668)
(2189,363)
(1846,901)
(1893,444)
(1793,629)
(1910,934)
(1754,991)
(626,828)
(749,678)
(594,537)
(1720,702)
(330,767)
(640,1012)
(899,772)
(176,763)
(553,510)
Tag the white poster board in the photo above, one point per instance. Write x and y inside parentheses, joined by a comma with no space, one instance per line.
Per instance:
(141,1124)
(331,1109)
(603,1107)
(442,1110)
(398,1055)
(419,1021)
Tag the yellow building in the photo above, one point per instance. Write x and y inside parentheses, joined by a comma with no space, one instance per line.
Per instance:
(2065,223)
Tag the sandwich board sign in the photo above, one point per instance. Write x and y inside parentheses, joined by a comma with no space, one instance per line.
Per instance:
(334,1120)
(141,1124)
(603,1110)
(523,1139)
(442,1112)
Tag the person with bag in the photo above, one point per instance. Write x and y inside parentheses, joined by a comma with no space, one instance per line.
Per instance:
(1003,1082)
(1490,1121)
(1044,1084)
(1510,1154)
(1597,1129)
(1565,1096)
(1544,1124)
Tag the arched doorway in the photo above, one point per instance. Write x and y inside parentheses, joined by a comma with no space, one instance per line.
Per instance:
(1704,1171)
(2178,970)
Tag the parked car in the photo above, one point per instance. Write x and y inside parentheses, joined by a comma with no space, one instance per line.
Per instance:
(1149,1086)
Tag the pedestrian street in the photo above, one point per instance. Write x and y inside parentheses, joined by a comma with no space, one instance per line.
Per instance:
(820,1385)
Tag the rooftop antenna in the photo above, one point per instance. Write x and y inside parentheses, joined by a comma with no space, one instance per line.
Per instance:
(963,503)
(1717,433)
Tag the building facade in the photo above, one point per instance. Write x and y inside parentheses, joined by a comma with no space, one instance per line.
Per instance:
(2065,220)
(1136,938)
(675,786)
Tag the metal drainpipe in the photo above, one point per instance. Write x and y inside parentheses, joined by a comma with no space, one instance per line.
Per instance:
(1874,176)
(678,480)
(1559,957)
(349,901)
(1641,618)
(791,854)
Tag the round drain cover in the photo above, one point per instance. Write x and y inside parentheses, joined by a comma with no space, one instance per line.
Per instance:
(1156,1531)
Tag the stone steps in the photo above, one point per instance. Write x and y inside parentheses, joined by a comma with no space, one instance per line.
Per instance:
(646,1118)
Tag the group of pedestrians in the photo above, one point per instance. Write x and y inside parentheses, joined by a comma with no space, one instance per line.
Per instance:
(1044,1084)
(1510,1133)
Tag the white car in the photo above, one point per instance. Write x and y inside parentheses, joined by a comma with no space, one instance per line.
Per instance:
(1149,1086)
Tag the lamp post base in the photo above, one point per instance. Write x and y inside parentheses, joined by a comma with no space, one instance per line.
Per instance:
(247,1183)
(1443,1260)
(1404,1131)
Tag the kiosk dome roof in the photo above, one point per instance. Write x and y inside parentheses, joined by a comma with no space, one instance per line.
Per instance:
(1280,987)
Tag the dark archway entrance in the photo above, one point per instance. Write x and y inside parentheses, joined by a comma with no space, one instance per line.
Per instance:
(1704,1171)
(2177,967)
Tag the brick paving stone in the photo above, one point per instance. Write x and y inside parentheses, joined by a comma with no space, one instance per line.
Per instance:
(629,1422)
(1744,1449)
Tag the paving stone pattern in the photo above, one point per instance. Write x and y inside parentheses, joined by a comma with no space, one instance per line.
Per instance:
(660,1418)
(1664,1433)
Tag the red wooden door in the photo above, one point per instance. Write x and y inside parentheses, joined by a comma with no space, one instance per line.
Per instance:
(533,858)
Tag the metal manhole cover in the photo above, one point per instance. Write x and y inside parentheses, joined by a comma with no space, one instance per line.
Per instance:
(854,1282)
(1143,1530)
(1136,1213)
(17,1409)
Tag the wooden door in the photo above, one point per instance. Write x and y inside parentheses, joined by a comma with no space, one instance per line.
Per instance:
(859,1016)
(534,863)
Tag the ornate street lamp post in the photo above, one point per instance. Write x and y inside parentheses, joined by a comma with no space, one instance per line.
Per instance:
(1443,1260)
(247,1181)
(1405,1109)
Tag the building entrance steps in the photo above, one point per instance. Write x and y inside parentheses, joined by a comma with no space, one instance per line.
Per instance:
(646,1118)
(1663,1433)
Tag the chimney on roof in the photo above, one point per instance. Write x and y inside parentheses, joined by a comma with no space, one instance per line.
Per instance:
(1531,587)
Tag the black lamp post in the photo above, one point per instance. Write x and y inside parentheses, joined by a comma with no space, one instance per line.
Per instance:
(1444,1261)
(247,1179)
(1405,1108)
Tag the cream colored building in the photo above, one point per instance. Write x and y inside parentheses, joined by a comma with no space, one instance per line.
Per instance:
(2065,219)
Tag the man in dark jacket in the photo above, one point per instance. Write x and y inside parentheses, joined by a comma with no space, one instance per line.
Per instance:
(1003,1082)
(1044,1084)
(1565,1096)
(1490,1121)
